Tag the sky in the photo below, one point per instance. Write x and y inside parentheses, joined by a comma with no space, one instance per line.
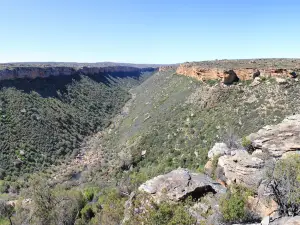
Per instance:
(144,31)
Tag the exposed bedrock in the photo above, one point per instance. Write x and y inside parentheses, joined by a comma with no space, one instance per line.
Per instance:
(229,76)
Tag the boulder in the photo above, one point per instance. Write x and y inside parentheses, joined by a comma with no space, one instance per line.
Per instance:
(229,77)
(180,184)
(242,168)
(218,149)
(256,74)
(263,207)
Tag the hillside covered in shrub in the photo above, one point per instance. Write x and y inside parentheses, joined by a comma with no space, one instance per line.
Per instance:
(44,120)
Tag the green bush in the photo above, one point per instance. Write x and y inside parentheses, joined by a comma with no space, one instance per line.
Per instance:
(233,204)
(246,142)
(90,192)
(212,82)
(87,213)
(283,179)
(112,204)
(164,214)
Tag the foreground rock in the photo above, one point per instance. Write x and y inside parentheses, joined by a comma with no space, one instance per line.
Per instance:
(269,143)
(180,184)
(242,168)
(247,166)
(175,187)
(278,140)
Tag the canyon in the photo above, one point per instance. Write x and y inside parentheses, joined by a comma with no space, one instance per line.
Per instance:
(136,135)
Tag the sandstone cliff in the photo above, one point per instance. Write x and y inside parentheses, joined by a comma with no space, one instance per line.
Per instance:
(233,70)
(46,71)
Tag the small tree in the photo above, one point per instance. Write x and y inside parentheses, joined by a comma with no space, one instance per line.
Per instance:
(230,138)
(283,183)
(52,205)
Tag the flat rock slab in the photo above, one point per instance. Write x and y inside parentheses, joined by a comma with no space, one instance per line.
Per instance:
(279,139)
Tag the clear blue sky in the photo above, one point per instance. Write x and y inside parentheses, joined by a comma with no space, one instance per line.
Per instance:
(144,31)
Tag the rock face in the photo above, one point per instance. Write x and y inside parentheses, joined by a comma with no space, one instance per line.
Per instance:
(242,168)
(180,184)
(269,143)
(279,140)
(230,71)
(46,71)
(247,168)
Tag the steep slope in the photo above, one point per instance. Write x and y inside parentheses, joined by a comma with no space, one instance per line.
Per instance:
(174,120)
(44,120)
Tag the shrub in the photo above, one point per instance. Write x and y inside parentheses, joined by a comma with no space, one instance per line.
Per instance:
(165,214)
(230,138)
(247,144)
(212,82)
(6,211)
(283,180)
(112,204)
(87,213)
(89,193)
(233,204)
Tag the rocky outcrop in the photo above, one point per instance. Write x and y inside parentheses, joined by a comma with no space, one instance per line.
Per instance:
(175,187)
(269,143)
(278,140)
(46,71)
(242,168)
(247,166)
(180,184)
(213,71)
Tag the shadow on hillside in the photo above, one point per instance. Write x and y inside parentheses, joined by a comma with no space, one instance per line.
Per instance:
(50,86)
